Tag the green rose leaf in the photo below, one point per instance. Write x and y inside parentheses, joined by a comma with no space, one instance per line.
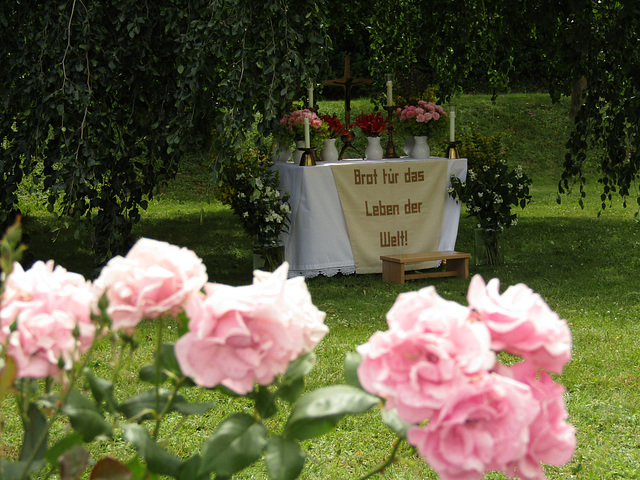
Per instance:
(293,380)
(17,470)
(148,374)
(238,442)
(64,444)
(319,412)
(35,436)
(284,458)
(391,419)
(139,470)
(265,402)
(351,364)
(299,367)
(145,405)
(158,460)
(189,469)
(35,429)
(101,389)
(85,418)
(182,405)
(169,368)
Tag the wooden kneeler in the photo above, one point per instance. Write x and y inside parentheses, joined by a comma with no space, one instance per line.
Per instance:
(393,266)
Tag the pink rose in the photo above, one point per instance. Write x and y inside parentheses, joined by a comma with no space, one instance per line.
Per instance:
(45,319)
(552,439)
(155,278)
(427,311)
(429,350)
(521,323)
(484,426)
(416,374)
(425,304)
(242,335)
(300,307)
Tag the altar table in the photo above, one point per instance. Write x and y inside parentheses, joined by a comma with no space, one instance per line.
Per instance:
(318,239)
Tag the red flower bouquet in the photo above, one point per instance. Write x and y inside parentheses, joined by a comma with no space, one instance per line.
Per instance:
(372,125)
(336,128)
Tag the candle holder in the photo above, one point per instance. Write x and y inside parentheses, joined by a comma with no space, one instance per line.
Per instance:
(347,139)
(309,156)
(390,151)
(452,149)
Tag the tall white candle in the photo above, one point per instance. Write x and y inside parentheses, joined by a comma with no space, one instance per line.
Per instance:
(452,124)
(307,139)
(389,93)
(310,95)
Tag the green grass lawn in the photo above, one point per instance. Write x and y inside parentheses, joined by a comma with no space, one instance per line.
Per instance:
(585,266)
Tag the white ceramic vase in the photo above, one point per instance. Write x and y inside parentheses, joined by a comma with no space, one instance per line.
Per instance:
(374,150)
(329,151)
(408,145)
(420,147)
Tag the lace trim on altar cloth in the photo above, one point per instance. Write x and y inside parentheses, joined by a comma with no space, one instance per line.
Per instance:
(327,272)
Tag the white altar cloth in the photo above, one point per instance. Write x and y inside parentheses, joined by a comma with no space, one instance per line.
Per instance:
(318,240)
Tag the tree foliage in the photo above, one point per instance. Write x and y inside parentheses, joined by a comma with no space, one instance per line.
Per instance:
(599,41)
(100,99)
(575,40)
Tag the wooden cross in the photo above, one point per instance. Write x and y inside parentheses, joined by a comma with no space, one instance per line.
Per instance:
(347,82)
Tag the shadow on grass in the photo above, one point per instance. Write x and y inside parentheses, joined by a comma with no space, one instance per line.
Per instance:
(556,256)
(568,258)
(215,236)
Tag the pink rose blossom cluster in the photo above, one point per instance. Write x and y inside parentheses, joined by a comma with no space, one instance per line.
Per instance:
(436,366)
(521,323)
(239,336)
(295,120)
(45,319)
(422,113)
(155,278)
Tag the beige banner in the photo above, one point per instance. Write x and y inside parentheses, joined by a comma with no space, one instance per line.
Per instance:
(392,207)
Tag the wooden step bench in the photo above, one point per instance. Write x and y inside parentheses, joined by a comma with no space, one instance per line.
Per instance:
(393,266)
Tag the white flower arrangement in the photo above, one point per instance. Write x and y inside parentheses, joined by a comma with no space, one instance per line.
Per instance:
(492,187)
(252,190)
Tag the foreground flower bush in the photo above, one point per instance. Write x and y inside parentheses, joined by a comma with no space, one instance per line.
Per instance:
(435,371)
(468,413)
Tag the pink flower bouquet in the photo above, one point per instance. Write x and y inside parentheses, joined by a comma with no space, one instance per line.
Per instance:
(436,367)
(239,336)
(293,125)
(45,319)
(418,119)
